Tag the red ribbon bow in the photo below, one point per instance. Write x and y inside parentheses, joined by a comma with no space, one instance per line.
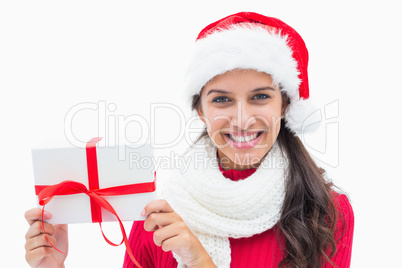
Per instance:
(46,193)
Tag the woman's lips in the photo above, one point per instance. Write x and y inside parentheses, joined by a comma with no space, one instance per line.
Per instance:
(243,140)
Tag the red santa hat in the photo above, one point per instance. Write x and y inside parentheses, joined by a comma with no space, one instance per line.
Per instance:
(249,40)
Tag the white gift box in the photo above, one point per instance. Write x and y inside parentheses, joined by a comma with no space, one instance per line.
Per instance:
(117,166)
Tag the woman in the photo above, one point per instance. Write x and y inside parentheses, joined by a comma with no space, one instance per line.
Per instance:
(252,195)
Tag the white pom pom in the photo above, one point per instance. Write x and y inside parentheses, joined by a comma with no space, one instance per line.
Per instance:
(301,116)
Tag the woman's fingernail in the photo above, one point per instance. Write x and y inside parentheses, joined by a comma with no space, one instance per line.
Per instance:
(143,213)
(47,215)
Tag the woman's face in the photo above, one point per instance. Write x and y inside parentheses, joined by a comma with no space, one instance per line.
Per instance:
(242,110)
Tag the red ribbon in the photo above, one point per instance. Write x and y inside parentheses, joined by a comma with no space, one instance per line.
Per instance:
(46,193)
(93,178)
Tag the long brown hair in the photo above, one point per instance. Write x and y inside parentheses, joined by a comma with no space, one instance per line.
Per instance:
(308,216)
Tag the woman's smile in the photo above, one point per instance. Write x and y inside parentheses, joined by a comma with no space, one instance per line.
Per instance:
(243,140)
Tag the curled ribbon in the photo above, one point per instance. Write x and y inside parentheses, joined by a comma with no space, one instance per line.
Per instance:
(71,187)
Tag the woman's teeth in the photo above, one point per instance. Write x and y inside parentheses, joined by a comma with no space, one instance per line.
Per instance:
(243,138)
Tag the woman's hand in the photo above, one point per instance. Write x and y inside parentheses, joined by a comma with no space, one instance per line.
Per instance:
(39,253)
(172,234)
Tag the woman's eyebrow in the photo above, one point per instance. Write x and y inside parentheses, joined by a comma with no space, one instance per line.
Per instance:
(263,88)
(218,91)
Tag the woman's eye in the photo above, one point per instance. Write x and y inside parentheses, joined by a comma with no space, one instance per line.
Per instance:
(220,99)
(261,97)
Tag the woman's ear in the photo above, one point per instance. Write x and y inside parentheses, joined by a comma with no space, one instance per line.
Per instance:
(200,113)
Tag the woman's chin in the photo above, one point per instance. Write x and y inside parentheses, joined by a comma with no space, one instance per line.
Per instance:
(245,159)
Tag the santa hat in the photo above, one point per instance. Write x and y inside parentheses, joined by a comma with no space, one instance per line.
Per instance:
(249,40)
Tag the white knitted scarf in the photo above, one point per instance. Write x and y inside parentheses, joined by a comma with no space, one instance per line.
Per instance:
(216,208)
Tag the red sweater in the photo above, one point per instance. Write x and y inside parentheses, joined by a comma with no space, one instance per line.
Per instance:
(260,250)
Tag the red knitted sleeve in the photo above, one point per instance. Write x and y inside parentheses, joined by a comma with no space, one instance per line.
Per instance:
(145,251)
(344,233)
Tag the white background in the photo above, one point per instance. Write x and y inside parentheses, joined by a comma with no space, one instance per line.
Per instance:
(55,55)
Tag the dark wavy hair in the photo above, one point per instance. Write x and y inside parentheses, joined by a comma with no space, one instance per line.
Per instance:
(308,216)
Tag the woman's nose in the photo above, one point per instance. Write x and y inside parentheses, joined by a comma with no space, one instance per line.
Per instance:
(243,116)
